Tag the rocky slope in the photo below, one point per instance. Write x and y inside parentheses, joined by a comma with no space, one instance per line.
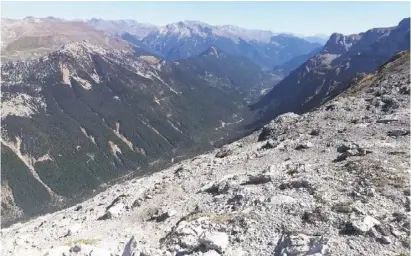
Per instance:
(31,37)
(332,70)
(333,181)
(85,115)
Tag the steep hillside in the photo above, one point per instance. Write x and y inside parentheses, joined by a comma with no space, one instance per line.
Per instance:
(334,181)
(85,115)
(31,37)
(332,70)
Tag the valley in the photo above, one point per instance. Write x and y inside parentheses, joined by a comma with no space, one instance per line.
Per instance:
(127,138)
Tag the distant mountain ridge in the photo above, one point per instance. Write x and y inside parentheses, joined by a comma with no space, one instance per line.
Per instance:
(330,72)
(186,39)
(35,37)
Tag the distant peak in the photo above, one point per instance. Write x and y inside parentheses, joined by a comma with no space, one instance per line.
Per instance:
(285,35)
(29,18)
(339,43)
(404,23)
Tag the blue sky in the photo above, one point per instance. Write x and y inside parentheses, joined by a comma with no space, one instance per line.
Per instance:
(306,18)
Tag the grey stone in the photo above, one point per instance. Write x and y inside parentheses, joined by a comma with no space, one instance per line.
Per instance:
(214,240)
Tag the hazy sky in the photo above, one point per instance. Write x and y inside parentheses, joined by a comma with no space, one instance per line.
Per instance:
(306,18)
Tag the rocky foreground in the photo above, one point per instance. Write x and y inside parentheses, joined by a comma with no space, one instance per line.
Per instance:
(331,182)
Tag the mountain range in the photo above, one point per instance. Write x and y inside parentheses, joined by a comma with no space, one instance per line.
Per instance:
(185,39)
(85,104)
(332,70)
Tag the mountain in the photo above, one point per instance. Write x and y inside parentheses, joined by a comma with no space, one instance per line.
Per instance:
(334,181)
(35,37)
(284,69)
(329,72)
(31,37)
(189,38)
(119,27)
(84,116)
(321,39)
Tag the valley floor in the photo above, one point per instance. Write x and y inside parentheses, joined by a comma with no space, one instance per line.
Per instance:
(331,182)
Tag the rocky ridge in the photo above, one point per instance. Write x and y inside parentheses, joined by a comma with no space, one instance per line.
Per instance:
(333,181)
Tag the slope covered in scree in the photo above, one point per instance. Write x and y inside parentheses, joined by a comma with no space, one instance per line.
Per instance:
(334,181)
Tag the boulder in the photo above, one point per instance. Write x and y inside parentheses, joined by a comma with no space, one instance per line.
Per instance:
(269,144)
(315,132)
(398,132)
(219,187)
(214,240)
(304,145)
(300,244)
(298,183)
(116,201)
(236,252)
(258,179)
(350,149)
(73,229)
(113,212)
(88,250)
(385,240)
(223,153)
(211,253)
(361,226)
(278,126)
(162,215)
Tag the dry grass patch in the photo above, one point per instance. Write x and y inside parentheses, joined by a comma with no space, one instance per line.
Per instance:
(211,216)
(88,241)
